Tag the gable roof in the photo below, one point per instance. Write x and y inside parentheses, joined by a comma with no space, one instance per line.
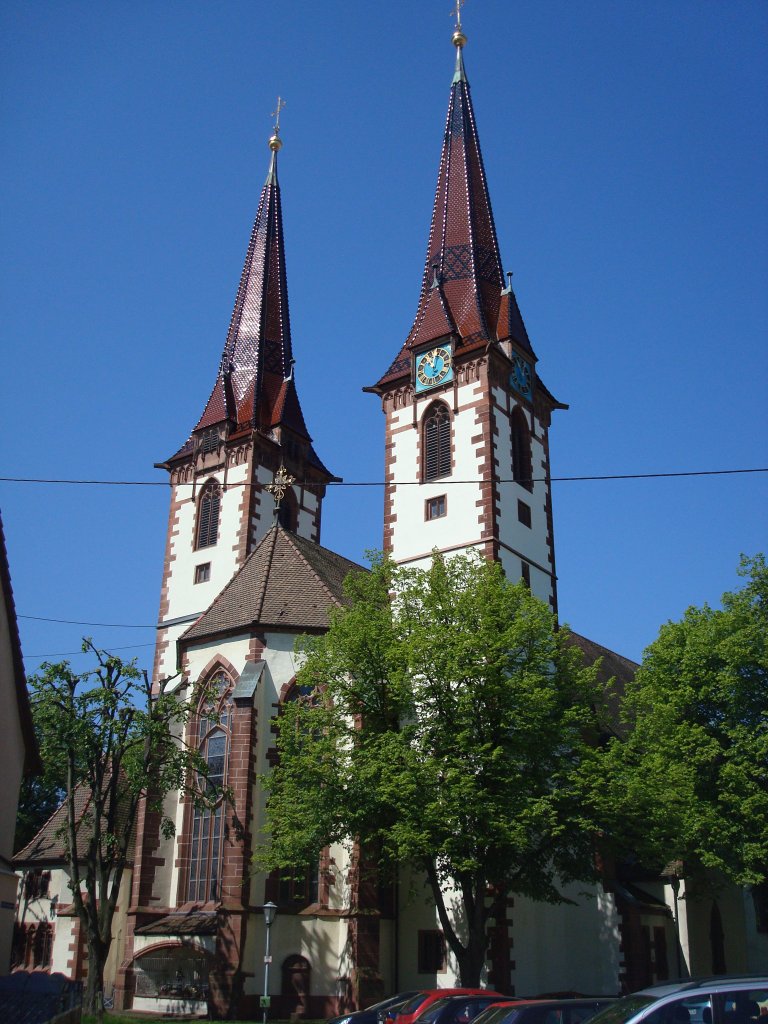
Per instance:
(287,582)
(48,846)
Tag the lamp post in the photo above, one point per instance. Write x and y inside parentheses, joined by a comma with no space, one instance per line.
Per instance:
(270,910)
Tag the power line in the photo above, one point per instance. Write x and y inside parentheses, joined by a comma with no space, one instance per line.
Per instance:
(394,483)
(79,622)
(71,654)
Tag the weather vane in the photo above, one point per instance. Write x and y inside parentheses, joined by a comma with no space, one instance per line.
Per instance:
(456,13)
(280,485)
(276,112)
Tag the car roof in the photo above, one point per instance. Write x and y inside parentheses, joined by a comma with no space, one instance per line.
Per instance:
(720,983)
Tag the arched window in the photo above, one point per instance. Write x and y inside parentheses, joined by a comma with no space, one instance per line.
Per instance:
(436,441)
(208,515)
(213,737)
(522,463)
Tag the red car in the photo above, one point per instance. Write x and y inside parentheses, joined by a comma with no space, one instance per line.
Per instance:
(424,999)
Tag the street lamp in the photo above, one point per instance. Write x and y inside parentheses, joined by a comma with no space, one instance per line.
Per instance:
(270,910)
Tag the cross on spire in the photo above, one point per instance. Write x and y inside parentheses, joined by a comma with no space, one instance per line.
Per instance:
(276,112)
(456,13)
(279,486)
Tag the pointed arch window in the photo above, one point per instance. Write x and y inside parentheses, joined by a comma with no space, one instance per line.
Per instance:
(213,738)
(436,440)
(208,510)
(522,462)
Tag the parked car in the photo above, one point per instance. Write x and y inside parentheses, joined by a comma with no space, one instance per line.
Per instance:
(724,1000)
(456,1009)
(374,1014)
(543,1011)
(424,999)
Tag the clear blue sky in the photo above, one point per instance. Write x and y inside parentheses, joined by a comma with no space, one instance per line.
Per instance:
(626,147)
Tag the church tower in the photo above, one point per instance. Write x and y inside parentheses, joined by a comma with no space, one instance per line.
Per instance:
(251,425)
(467,416)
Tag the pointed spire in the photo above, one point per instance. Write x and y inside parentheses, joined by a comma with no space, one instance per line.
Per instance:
(255,387)
(463,251)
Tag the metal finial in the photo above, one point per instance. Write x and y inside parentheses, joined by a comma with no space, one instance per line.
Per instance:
(280,485)
(458,38)
(435,274)
(275,142)
(509,280)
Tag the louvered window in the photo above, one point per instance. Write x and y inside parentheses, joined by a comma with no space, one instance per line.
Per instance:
(208,515)
(209,441)
(522,465)
(437,442)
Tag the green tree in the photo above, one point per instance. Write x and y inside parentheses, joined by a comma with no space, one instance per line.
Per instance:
(116,742)
(444,729)
(689,778)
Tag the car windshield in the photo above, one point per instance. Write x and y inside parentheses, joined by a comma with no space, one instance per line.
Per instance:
(622,1010)
(391,1001)
(413,1004)
(436,1007)
(495,1015)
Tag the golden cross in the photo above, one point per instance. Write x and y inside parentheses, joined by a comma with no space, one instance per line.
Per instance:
(456,13)
(276,113)
(280,485)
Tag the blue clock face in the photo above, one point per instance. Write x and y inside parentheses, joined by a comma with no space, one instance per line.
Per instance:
(521,378)
(433,367)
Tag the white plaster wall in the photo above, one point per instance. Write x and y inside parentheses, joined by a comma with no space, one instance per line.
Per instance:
(417,912)
(184,595)
(564,947)
(413,537)
(321,940)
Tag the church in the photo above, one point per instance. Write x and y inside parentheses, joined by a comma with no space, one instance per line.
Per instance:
(245,575)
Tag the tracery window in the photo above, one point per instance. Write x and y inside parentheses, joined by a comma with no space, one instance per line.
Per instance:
(213,739)
(436,440)
(208,515)
(522,462)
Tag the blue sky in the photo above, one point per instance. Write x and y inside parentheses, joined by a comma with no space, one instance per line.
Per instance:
(626,148)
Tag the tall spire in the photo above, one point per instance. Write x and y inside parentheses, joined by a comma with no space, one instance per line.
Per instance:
(254,386)
(463,279)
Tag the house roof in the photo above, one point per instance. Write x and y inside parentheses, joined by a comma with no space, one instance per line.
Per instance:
(32,762)
(287,582)
(48,846)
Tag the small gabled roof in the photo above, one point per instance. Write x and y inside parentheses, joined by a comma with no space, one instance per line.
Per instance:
(287,582)
(48,848)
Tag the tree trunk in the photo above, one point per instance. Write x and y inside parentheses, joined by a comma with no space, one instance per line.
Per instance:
(93,997)
(471,958)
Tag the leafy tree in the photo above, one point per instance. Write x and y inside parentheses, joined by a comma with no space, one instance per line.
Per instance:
(690,777)
(445,729)
(39,797)
(116,742)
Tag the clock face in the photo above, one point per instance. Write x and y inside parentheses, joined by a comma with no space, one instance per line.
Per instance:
(433,367)
(521,378)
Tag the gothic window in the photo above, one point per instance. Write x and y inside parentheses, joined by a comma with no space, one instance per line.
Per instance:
(208,515)
(522,463)
(213,739)
(437,441)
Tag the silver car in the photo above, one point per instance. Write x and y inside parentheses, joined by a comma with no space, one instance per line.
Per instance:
(723,1000)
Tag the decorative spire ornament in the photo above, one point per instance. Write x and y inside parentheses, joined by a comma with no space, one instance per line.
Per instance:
(279,486)
(275,142)
(459,39)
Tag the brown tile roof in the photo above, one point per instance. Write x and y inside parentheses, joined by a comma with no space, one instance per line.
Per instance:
(48,845)
(287,582)
(18,682)
(614,665)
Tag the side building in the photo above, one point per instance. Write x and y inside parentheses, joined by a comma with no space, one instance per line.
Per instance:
(18,752)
